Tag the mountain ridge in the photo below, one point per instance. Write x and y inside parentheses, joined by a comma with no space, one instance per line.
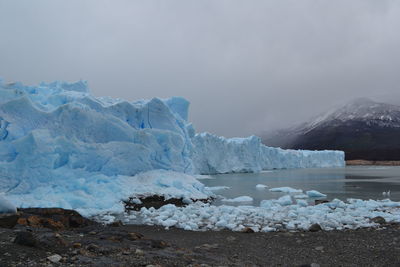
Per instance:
(363,128)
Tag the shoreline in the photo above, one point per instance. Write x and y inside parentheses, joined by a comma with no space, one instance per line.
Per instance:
(138,245)
(360,162)
(50,239)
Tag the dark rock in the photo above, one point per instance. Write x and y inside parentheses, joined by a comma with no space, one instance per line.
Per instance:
(25,239)
(53,218)
(50,240)
(93,247)
(158,244)
(248,230)
(315,228)
(379,220)
(320,201)
(8,220)
(134,236)
(116,224)
(76,245)
(156,202)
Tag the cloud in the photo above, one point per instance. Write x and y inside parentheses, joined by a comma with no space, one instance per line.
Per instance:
(246,66)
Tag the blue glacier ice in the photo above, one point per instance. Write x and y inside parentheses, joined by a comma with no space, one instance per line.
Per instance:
(57,137)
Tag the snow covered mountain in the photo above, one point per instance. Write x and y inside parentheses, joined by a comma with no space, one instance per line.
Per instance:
(363,128)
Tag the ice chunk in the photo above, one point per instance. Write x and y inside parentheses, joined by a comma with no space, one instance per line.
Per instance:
(315,193)
(241,199)
(203,177)
(261,186)
(285,200)
(218,188)
(300,196)
(286,189)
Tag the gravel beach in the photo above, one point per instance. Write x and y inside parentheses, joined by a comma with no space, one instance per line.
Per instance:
(131,245)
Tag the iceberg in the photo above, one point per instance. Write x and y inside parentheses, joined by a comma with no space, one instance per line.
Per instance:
(315,193)
(241,199)
(62,146)
(286,189)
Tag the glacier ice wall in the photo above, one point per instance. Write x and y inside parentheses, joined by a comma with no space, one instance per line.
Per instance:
(57,131)
(214,154)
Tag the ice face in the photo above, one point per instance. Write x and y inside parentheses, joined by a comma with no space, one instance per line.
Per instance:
(57,137)
(215,154)
(6,206)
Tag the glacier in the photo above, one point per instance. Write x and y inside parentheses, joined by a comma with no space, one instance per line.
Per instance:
(58,137)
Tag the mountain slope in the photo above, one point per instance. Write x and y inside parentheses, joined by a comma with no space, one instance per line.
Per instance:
(363,128)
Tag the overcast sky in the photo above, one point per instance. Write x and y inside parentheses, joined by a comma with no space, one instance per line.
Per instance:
(245,66)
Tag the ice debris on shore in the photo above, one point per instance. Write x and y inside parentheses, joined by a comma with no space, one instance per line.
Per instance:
(61,146)
(273,215)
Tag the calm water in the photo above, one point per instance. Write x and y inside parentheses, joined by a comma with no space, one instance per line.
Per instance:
(366,182)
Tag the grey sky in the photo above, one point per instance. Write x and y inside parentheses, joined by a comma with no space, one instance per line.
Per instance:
(246,66)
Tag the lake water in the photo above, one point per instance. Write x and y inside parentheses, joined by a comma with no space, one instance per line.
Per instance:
(363,182)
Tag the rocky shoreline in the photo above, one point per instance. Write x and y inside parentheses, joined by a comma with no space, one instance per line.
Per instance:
(360,162)
(57,237)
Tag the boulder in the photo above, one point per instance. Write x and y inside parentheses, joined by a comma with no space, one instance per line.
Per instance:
(25,239)
(315,228)
(8,220)
(53,218)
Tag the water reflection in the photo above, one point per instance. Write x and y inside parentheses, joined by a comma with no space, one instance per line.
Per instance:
(342,183)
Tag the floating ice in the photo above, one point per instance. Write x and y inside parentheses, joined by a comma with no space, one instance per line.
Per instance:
(241,199)
(261,186)
(315,193)
(286,189)
(218,188)
(285,200)
(300,196)
(203,177)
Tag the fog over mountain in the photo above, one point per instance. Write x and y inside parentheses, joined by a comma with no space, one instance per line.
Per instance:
(246,66)
(363,128)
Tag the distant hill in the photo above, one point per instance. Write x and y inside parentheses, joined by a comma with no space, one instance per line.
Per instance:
(363,128)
